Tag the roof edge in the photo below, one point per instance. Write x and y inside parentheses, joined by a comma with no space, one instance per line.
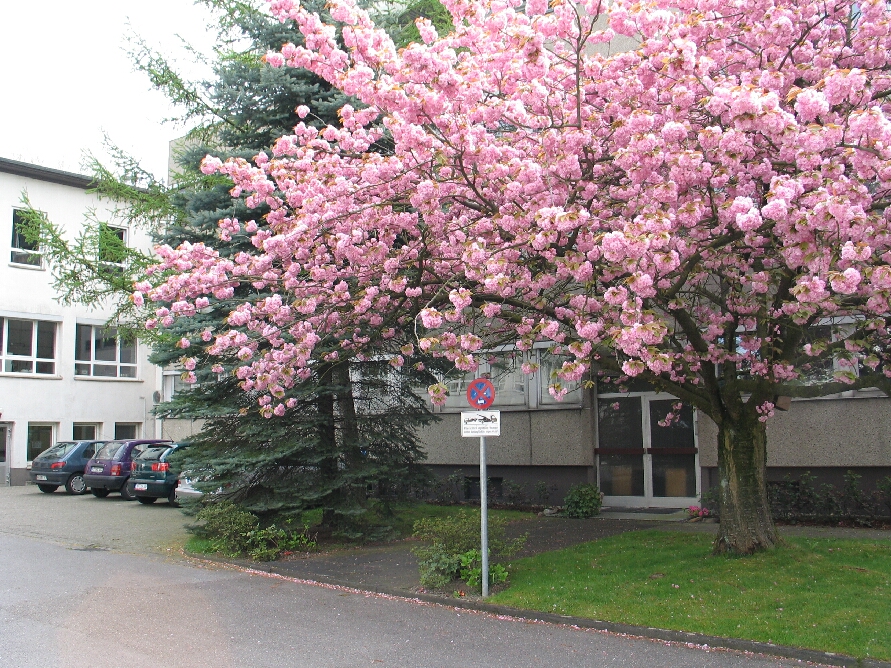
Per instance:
(45,174)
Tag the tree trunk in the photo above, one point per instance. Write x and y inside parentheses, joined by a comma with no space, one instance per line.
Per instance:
(746,524)
(328,466)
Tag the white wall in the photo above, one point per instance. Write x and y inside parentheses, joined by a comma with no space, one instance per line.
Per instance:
(27,293)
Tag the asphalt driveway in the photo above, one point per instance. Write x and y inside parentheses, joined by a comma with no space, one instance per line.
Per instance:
(87,523)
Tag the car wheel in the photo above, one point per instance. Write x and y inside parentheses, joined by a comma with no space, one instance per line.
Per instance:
(146,499)
(171,498)
(76,484)
(47,489)
(99,493)
(126,494)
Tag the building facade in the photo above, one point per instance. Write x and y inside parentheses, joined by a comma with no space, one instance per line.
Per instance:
(64,373)
(622,442)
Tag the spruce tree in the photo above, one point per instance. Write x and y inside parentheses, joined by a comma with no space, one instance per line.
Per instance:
(352,427)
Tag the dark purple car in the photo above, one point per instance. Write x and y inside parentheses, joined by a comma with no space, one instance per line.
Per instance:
(109,470)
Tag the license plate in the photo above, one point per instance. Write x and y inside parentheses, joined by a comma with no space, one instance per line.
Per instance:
(40,477)
(140,487)
(96,469)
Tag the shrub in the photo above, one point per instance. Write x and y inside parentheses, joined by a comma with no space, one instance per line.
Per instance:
(451,538)
(543,492)
(471,570)
(513,493)
(711,500)
(698,511)
(582,501)
(883,486)
(234,531)
(801,499)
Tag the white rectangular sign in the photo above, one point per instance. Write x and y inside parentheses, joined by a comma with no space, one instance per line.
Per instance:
(480,423)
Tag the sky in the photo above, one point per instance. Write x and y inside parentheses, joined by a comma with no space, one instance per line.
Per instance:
(68,80)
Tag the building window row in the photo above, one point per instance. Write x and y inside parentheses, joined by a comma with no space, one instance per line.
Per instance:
(29,347)
(42,436)
(513,388)
(112,243)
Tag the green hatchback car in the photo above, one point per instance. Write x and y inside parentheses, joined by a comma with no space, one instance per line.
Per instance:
(151,475)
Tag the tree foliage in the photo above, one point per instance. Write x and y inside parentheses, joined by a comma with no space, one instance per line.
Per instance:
(353,427)
(691,192)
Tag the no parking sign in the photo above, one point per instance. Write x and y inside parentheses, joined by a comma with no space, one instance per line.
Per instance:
(480,393)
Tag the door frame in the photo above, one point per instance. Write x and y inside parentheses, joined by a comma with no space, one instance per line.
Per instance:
(6,465)
(648,500)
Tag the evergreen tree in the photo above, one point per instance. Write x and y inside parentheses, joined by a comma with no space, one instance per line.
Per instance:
(353,426)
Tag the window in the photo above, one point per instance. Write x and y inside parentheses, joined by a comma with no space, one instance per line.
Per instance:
(124,430)
(27,346)
(172,384)
(513,388)
(84,432)
(821,369)
(99,352)
(549,365)
(40,438)
(23,252)
(112,245)
(503,369)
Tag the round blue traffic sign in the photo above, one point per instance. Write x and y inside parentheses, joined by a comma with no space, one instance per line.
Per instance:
(481,393)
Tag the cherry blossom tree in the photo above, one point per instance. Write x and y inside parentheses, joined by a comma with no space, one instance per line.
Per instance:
(692,192)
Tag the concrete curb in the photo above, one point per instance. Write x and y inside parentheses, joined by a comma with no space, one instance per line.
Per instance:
(683,637)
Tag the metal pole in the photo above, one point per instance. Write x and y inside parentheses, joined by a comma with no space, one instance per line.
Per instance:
(484,517)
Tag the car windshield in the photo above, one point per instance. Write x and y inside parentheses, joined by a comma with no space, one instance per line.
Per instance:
(58,451)
(109,450)
(153,453)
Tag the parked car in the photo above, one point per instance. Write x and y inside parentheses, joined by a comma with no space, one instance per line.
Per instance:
(109,470)
(185,490)
(152,477)
(63,464)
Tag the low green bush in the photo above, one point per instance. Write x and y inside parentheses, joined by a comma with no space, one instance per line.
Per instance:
(802,499)
(452,542)
(234,532)
(582,501)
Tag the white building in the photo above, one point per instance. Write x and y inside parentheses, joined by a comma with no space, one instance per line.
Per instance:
(63,374)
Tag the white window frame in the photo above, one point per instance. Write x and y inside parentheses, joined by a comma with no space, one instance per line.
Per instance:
(137,427)
(54,430)
(97,430)
(123,233)
(15,250)
(86,368)
(7,359)
(169,385)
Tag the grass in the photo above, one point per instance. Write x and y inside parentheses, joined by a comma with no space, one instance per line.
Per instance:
(825,594)
(406,514)
(198,545)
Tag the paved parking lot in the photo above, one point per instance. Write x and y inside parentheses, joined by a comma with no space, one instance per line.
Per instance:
(85,522)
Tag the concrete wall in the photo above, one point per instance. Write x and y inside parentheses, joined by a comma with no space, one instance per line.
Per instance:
(558,437)
(843,432)
(179,429)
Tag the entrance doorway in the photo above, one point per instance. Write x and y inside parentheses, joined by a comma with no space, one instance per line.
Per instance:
(4,454)
(647,453)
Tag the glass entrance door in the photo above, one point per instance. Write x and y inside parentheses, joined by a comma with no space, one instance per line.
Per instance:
(646,451)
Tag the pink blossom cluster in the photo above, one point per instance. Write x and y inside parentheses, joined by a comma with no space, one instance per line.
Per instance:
(723,173)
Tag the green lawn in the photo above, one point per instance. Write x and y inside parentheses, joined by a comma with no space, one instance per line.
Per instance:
(824,594)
